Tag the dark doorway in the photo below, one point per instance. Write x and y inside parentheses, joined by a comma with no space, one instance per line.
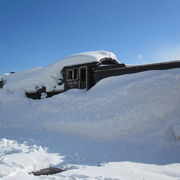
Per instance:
(83,77)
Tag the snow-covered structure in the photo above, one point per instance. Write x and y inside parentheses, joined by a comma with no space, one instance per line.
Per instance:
(76,71)
(82,74)
(126,126)
(81,71)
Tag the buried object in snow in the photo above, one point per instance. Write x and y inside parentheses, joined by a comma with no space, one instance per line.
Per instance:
(83,71)
(47,171)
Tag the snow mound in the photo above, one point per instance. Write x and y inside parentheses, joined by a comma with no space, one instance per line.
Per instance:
(139,110)
(17,160)
(20,159)
(50,76)
(131,117)
(115,108)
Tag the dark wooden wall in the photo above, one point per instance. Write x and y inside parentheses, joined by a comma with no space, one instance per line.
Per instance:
(102,72)
(89,75)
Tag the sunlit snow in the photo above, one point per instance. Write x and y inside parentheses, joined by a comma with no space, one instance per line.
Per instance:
(126,127)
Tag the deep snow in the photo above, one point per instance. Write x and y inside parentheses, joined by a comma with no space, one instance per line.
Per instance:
(17,161)
(130,123)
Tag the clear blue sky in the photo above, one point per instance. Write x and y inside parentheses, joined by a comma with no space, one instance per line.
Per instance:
(38,32)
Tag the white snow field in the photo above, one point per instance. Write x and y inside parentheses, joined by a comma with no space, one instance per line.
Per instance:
(126,127)
(18,159)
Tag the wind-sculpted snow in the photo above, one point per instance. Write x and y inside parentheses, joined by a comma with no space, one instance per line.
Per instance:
(132,118)
(20,159)
(17,161)
(115,108)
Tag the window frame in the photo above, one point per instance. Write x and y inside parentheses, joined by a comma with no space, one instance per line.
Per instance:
(73,74)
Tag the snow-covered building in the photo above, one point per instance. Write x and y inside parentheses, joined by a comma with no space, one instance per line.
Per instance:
(99,65)
(83,75)
(81,71)
(77,71)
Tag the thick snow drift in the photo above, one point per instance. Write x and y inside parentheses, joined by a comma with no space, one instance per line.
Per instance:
(18,160)
(115,108)
(140,111)
(120,121)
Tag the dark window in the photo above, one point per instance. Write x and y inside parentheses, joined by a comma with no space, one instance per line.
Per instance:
(69,75)
(72,74)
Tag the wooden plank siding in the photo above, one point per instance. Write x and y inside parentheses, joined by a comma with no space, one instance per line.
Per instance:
(69,84)
(102,72)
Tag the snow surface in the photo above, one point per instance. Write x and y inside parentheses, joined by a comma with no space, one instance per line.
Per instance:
(21,159)
(17,161)
(50,76)
(126,127)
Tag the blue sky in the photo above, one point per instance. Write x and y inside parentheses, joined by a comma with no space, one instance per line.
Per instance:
(39,32)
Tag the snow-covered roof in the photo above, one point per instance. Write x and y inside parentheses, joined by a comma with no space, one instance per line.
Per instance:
(86,57)
(49,76)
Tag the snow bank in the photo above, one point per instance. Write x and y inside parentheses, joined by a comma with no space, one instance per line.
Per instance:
(50,76)
(17,160)
(140,111)
(115,108)
(20,159)
(131,117)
